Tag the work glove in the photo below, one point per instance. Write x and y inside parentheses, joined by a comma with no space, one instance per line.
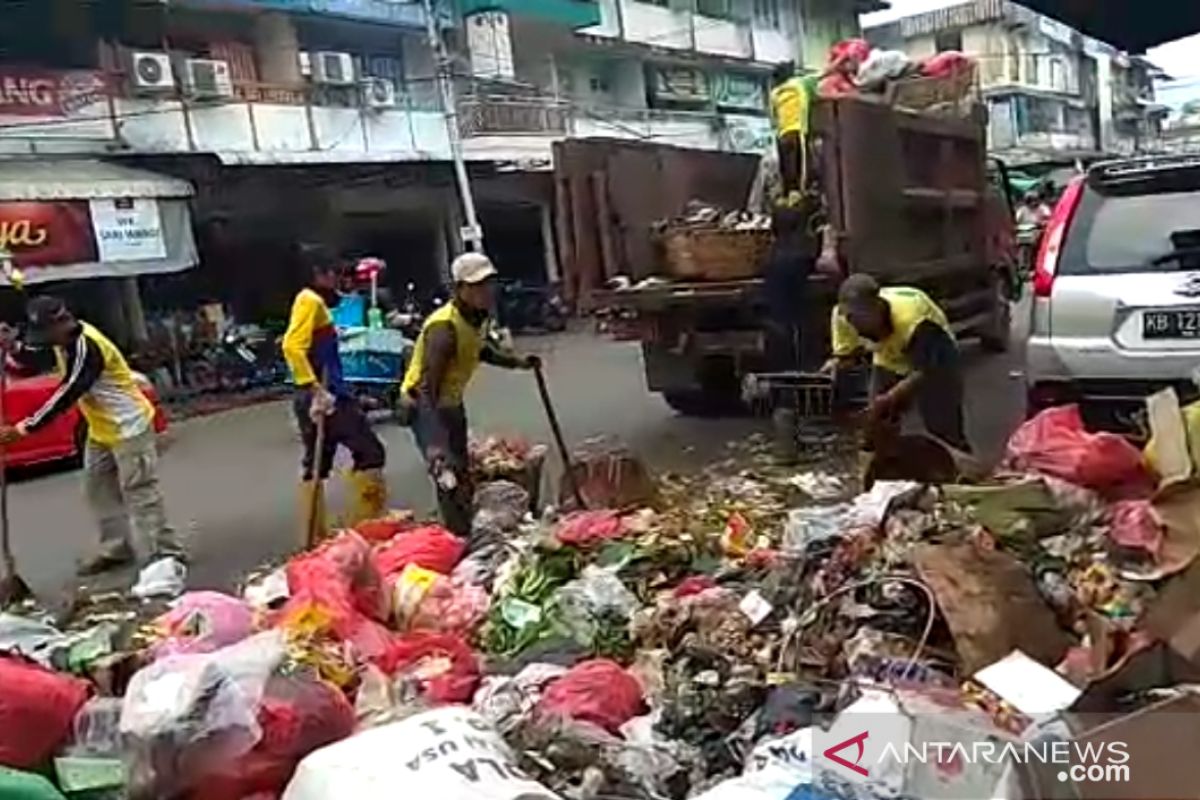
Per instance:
(531,362)
(323,403)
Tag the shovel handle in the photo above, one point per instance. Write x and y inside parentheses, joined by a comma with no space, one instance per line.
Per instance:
(556,429)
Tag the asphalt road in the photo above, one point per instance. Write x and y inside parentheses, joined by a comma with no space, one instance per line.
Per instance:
(230,479)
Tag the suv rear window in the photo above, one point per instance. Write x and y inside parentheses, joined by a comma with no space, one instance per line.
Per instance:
(1123,230)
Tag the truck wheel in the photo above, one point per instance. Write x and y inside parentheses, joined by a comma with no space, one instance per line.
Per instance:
(996,336)
(690,404)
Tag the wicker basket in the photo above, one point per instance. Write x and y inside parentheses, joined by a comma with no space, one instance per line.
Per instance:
(715,254)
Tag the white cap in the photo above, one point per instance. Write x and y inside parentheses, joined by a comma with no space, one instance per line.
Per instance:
(472,268)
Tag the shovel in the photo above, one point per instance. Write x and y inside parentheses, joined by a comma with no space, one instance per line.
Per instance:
(572,479)
(13,588)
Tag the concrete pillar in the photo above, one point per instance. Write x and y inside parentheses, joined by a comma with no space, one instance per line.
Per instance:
(135,313)
(278,49)
(1104,97)
(551,253)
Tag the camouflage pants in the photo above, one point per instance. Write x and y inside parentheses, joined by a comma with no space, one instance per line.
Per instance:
(121,484)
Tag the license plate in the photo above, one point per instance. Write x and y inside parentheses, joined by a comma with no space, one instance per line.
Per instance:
(1174,323)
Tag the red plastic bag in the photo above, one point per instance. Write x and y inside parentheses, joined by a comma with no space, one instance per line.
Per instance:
(597,691)
(848,54)
(1135,525)
(430,546)
(298,715)
(1056,443)
(443,664)
(342,569)
(943,65)
(37,709)
(202,622)
(587,528)
(384,529)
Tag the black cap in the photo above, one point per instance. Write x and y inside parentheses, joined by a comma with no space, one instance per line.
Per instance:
(44,313)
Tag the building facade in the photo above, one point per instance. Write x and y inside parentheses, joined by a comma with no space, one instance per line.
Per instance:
(321,120)
(1052,93)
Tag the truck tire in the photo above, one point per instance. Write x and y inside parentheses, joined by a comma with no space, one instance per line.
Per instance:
(997,335)
(690,404)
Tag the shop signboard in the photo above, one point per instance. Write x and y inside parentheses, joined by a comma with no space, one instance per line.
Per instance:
(128,229)
(47,94)
(47,234)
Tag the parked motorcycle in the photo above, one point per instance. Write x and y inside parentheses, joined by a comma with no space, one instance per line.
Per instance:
(525,309)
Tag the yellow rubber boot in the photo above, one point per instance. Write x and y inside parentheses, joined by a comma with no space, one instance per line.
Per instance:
(368,496)
(314,521)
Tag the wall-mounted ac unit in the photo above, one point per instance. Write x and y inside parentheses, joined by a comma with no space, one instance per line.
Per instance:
(378,93)
(207,78)
(151,72)
(304,59)
(336,69)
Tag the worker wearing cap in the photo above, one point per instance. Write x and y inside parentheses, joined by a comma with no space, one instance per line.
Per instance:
(451,345)
(915,356)
(120,456)
(310,347)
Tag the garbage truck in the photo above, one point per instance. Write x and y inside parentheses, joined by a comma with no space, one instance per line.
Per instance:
(910,195)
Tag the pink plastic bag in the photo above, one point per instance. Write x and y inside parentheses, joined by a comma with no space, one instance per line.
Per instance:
(450,606)
(37,709)
(202,622)
(431,546)
(443,664)
(1134,525)
(587,528)
(597,691)
(943,65)
(1056,443)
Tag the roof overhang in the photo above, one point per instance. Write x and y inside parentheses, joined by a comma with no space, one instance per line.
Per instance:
(83,179)
(1128,24)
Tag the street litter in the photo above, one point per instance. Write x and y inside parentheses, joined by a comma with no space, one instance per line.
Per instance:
(685,635)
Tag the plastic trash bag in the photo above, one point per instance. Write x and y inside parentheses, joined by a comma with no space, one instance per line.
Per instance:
(446,753)
(186,715)
(37,708)
(598,691)
(17,785)
(201,622)
(297,715)
(1056,443)
(449,605)
(1134,525)
(441,664)
(385,528)
(165,577)
(595,596)
(506,702)
(588,528)
(342,568)
(430,546)
(499,508)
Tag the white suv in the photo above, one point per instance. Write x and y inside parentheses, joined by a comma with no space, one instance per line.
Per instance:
(1116,307)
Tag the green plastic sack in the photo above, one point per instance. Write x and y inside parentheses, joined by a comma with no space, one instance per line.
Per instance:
(17,785)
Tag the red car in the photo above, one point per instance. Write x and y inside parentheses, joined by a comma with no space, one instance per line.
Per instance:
(63,438)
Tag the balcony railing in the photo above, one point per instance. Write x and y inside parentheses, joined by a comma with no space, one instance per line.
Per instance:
(482,115)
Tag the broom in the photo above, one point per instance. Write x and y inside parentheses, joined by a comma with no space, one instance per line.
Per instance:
(13,588)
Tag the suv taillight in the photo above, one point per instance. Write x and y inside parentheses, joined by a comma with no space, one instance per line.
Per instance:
(1056,230)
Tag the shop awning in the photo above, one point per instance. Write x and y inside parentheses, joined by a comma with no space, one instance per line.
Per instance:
(1128,24)
(53,179)
(64,219)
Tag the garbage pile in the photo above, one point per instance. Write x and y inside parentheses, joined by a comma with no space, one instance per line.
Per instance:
(855,67)
(698,214)
(744,632)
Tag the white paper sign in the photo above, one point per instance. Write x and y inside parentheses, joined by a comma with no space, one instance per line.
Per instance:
(128,229)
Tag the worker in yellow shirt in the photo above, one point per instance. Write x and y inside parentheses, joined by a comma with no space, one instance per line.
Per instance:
(791,101)
(915,356)
(452,343)
(310,347)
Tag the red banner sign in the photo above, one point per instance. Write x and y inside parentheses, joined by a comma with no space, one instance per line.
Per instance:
(47,234)
(45,93)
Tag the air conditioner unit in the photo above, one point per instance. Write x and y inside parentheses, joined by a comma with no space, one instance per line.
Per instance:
(151,72)
(304,59)
(378,93)
(206,77)
(333,68)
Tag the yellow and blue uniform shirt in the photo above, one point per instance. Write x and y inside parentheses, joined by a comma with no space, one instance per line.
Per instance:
(310,344)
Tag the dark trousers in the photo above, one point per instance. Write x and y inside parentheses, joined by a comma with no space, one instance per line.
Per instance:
(454,504)
(346,427)
(939,401)
(791,161)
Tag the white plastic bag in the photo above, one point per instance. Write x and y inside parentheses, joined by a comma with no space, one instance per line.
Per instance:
(447,753)
(166,577)
(193,696)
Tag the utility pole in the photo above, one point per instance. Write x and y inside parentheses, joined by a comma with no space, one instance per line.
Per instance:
(472,233)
